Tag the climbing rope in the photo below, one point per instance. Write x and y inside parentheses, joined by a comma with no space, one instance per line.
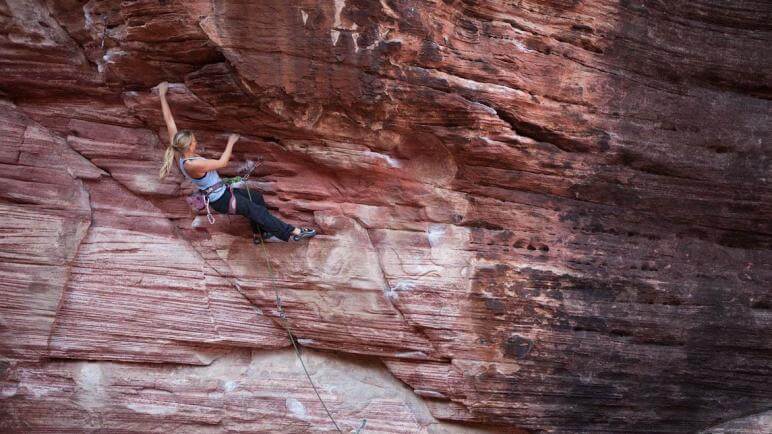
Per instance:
(245,173)
(244,177)
(285,322)
(104,32)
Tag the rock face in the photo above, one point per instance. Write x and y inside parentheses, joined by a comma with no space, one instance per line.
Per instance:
(533,216)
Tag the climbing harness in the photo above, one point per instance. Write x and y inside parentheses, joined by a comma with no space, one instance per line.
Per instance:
(199,199)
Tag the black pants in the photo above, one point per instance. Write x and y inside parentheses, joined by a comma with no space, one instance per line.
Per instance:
(255,210)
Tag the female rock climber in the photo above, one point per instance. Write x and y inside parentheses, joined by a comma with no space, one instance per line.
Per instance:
(203,173)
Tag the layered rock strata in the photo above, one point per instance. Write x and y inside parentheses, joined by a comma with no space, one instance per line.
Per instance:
(538,215)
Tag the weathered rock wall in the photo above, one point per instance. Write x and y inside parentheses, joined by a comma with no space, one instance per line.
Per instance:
(538,215)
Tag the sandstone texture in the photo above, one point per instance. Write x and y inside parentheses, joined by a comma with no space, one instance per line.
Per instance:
(534,216)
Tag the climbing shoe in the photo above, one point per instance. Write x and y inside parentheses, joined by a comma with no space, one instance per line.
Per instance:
(304,233)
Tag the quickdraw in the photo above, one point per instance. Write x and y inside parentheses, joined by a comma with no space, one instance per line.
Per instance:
(209,216)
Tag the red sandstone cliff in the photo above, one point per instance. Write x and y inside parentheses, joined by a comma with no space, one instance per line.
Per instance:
(534,215)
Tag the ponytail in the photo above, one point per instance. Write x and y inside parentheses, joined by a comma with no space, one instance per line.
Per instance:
(180,142)
(168,160)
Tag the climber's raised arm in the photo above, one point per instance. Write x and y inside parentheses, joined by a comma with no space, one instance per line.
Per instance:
(171,127)
(205,165)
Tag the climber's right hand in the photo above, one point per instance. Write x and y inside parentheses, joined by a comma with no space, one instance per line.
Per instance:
(162,88)
(233,138)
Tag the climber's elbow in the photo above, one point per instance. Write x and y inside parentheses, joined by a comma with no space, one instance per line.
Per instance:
(224,159)
(221,163)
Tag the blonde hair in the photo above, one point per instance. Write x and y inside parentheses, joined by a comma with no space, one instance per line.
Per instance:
(180,143)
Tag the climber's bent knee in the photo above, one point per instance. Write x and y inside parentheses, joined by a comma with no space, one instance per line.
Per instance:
(256,212)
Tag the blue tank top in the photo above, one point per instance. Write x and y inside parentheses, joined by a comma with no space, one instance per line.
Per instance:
(209,179)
